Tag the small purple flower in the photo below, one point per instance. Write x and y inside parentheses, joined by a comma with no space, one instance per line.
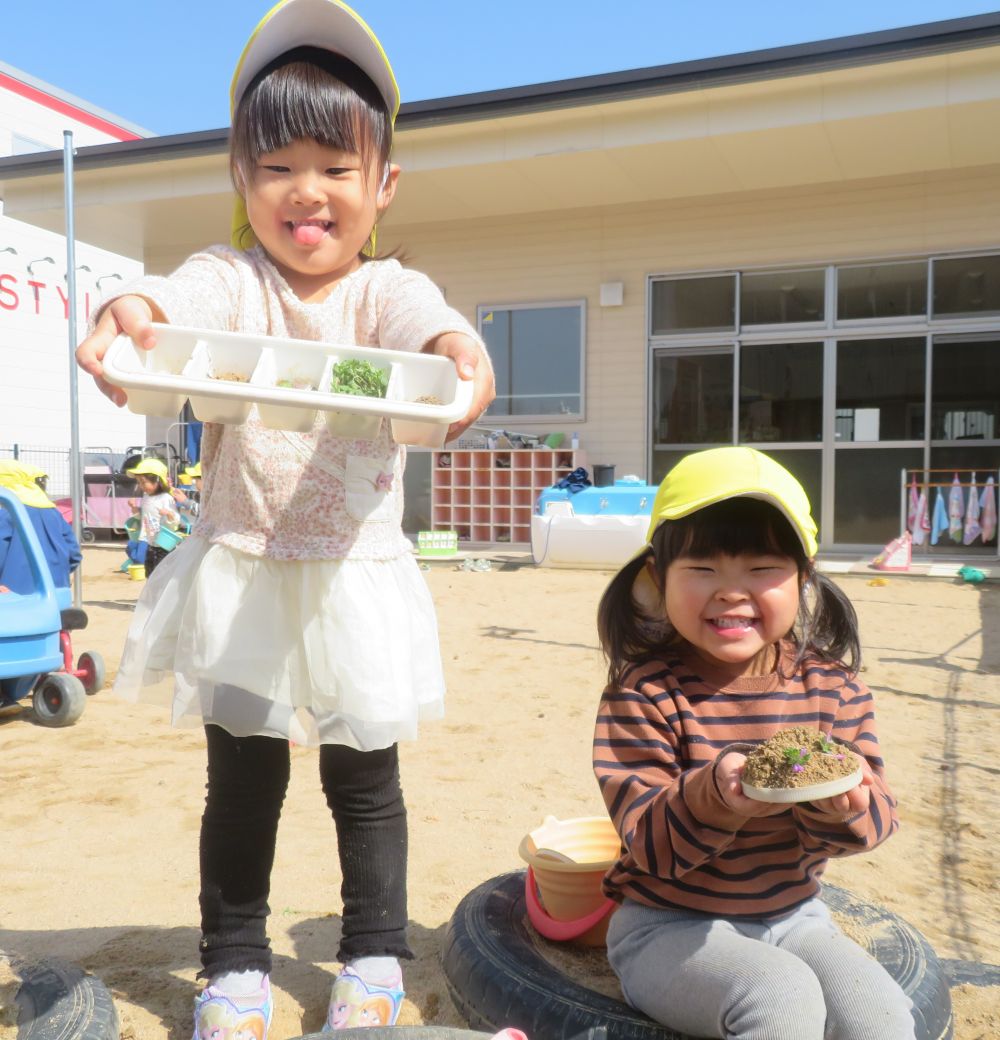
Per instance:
(840,758)
(383,482)
(797,768)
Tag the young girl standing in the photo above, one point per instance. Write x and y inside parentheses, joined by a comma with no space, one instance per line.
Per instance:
(155,509)
(295,609)
(719,634)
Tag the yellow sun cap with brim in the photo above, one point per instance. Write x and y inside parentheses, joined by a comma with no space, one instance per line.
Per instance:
(153,467)
(21,478)
(706,477)
(192,471)
(328,24)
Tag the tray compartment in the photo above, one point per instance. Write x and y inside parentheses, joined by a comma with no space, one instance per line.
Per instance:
(435,378)
(364,420)
(224,370)
(294,374)
(158,368)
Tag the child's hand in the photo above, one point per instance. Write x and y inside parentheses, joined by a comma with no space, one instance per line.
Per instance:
(467,355)
(129,314)
(851,802)
(179,495)
(3,588)
(728,775)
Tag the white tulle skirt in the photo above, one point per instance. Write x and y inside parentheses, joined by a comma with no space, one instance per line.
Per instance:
(316,651)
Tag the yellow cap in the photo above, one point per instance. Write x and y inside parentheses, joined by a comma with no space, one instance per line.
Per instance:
(328,24)
(706,477)
(154,467)
(193,471)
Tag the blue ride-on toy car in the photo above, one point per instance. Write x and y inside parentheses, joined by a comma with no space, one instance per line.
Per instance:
(36,652)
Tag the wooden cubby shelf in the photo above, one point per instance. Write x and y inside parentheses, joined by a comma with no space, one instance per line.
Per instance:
(500,485)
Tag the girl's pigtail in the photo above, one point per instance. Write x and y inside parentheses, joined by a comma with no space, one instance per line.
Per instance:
(626,631)
(830,625)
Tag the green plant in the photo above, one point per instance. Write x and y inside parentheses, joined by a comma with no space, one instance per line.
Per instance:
(360,378)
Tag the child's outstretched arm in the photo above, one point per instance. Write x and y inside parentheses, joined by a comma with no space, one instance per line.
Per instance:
(672,819)
(472,363)
(131,315)
(866,816)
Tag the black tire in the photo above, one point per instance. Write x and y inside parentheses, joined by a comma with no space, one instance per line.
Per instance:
(58,699)
(88,536)
(496,977)
(91,662)
(59,1001)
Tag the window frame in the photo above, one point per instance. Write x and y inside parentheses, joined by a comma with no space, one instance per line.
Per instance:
(560,417)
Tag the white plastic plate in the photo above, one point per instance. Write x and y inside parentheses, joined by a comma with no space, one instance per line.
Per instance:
(811,793)
(224,374)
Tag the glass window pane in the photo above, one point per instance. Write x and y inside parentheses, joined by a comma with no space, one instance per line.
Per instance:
(781,392)
(537,358)
(694,304)
(881,290)
(966,395)
(967,286)
(880,390)
(775,297)
(693,398)
(867,493)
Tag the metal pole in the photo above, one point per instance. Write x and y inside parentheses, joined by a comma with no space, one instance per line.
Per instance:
(75,475)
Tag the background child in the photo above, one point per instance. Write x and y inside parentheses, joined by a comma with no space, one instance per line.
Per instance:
(56,537)
(296,610)
(155,509)
(719,634)
(188,498)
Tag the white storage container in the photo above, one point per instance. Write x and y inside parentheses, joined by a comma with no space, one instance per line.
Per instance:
(224,374)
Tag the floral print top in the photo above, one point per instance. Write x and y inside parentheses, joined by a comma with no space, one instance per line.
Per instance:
(290,496)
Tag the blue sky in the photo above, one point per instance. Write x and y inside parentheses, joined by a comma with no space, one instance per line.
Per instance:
(165,64)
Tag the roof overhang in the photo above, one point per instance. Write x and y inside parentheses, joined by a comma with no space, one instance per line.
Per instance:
(898,102)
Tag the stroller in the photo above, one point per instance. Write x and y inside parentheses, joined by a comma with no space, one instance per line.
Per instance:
(36,651)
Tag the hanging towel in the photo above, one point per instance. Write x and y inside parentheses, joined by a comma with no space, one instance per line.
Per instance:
(922,523)
(988,511)
(972,528)
(956,510)
(911,513)
(939,523)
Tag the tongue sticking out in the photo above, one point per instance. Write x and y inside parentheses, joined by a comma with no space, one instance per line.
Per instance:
(308,234)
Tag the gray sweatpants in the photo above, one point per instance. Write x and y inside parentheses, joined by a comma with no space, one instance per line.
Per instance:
(797,977)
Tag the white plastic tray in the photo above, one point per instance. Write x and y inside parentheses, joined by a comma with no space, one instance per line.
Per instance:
(810,793)
(193,365)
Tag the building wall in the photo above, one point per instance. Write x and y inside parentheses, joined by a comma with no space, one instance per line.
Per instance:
(567,255)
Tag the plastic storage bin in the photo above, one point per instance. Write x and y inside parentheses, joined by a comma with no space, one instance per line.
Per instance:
(224,374)
(624,499)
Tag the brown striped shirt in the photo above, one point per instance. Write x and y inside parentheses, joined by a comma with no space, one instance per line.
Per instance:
(655,745)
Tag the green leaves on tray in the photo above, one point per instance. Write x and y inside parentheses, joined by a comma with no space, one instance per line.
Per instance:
(360,378)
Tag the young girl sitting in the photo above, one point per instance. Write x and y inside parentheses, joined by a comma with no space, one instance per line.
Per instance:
(719,634)
(155,509)
(295,610)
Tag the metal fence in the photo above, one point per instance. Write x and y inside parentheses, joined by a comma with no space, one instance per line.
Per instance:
(55,462)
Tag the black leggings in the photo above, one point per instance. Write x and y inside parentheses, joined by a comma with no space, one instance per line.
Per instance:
(247,780)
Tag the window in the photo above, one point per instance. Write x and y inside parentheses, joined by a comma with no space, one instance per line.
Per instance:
(781,392)
(537,355)
(880,389)
(881,291)
(694,305)
(693,398)
(967,286)
(780,297)
(965,374)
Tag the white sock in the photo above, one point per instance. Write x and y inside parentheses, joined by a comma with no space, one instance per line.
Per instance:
(381,971)
(239,983)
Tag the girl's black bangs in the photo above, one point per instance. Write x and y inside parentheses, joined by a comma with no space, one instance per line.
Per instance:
(735,527)
(311,94)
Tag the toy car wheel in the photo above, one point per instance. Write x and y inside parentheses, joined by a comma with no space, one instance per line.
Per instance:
(91,664)
(88,535)
(58,699)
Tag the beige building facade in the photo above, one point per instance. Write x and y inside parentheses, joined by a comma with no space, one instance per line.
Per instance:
(797,249)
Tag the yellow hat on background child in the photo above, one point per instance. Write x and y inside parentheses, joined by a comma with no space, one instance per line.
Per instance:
(192,471)
(153,467)
(327,24)
(706,477)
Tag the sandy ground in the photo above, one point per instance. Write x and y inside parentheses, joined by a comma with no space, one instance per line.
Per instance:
(100,820)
